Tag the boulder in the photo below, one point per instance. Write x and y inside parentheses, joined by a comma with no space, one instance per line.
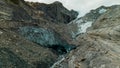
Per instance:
(46,37)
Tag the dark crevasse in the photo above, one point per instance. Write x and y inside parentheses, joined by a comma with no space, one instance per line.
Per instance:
(46,38)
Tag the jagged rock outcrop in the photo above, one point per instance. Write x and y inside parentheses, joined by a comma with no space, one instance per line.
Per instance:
(98,47)
(56,12)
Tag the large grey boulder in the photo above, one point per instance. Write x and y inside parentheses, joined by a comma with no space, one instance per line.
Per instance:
(46,38)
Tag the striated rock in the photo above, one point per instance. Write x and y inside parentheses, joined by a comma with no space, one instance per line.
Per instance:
(56,12)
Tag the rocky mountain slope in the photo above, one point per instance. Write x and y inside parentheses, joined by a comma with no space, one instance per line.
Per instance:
(37,35)
(99,46)
(28,39)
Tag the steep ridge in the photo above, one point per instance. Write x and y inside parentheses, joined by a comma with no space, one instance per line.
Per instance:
(56,12)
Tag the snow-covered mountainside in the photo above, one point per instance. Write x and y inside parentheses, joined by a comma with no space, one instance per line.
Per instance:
(82,24)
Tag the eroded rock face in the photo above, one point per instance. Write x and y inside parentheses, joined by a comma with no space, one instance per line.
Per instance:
(56,12)
(99,47)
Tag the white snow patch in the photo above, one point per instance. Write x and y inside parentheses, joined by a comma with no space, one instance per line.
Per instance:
(102,10)
(83,25)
